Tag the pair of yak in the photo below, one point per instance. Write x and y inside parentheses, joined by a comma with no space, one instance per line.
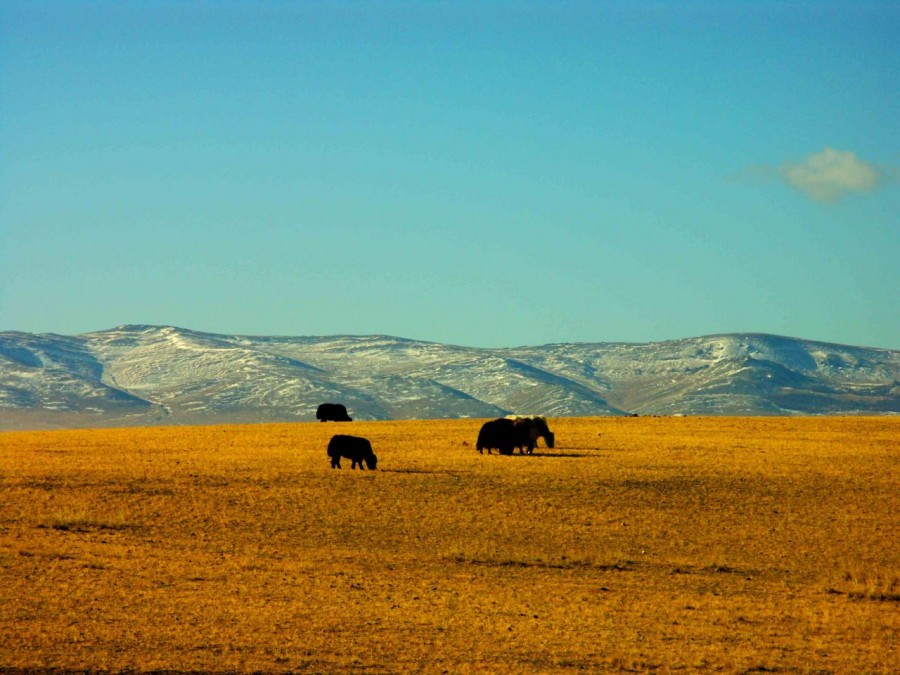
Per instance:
(504,434)
(507,433)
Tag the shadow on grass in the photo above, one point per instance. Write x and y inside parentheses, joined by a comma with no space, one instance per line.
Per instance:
(538,453)
(617,566)
(572,455)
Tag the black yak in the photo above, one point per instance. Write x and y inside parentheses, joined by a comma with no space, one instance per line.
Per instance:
(500,434)
(528,430)
(332,412)
(354,448)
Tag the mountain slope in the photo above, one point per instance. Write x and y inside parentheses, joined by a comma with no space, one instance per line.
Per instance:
(165,375)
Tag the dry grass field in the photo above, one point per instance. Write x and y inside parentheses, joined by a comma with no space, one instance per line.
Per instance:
(691,544)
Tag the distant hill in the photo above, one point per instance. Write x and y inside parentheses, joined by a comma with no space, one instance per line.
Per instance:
(147,375)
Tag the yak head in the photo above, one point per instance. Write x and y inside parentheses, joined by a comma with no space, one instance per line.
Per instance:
(371,461)
(541,429)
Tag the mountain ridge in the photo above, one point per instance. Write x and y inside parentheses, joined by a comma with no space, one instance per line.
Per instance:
(140,374)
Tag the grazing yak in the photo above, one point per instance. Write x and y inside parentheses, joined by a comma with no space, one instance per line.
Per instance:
(332,412)
(528,430)
(512,432)
(500,434)
(354,448)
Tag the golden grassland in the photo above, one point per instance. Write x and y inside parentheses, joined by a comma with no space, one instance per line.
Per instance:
(731,544)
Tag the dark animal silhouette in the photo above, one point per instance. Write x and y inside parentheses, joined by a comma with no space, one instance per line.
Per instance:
(500,434)
(528,430)
(332,412)
(354,448)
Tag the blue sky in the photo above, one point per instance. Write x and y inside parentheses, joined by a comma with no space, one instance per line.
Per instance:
(478,173)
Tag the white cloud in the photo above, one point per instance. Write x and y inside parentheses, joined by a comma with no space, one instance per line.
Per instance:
(824,176)
(831,174)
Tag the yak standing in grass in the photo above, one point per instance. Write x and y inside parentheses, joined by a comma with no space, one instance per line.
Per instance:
(528,430)
(332,412)
(355,448)
(500,434)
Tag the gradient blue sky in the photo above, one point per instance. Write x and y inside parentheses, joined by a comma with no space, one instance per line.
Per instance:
(478,173)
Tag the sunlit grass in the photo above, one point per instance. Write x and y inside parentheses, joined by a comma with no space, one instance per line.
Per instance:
(870,584)
(634,544)
(82,518)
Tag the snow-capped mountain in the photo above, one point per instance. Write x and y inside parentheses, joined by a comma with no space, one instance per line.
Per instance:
(134,375)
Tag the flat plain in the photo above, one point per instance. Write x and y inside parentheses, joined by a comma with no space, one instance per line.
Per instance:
(636,544)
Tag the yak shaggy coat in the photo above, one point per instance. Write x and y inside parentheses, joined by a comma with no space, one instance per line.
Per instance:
(500,434)
(354,448)
(333,412)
